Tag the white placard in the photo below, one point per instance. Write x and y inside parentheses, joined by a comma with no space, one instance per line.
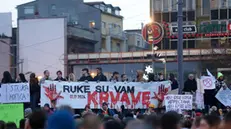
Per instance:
(15,93)
(208,83)
(132,95)
(178,103)
(224,96)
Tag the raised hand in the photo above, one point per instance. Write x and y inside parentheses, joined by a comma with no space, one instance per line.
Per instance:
(162,91)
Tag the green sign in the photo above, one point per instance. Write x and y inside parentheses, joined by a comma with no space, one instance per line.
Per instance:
(11,113)
(210,28)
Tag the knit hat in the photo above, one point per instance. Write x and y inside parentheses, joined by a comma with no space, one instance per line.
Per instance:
(151,106)
(61,119)
(219,74)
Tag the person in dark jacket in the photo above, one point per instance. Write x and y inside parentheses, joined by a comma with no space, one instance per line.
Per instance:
(105,110)
(100,76)
(21,78)
(191,84)
(34,91)
(124,78)
(115,77)
(7,78)
(60,76)
(85,75)
(174,83)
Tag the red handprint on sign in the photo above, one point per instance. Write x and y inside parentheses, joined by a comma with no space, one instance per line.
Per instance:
(51,92)
(162,91)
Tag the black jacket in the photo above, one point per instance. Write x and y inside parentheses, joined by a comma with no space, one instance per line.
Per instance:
(100,77)
(174,84)
(190,86)
(61,79)
(86,78)
(34,88)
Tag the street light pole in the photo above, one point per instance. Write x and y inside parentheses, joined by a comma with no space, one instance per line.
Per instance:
(153,58)
(180,46)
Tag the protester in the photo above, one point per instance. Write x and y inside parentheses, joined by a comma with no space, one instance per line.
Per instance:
(154,121)
(2,124)
(150,110)
(46,77)
(171,120)
(10,125)
(113,124)
(37,120)
(196,123)
(27,112)
(67,108)
(190,86)
(135,124)
(87,109)
(105,110)
(71,77)
(7,78)
(100,76)
(139,76)
(115,77)
(59,76)
(22,124)
(34,91)
(210,122)
(61,119)
(85,75)
(91,122)
(161,77)
(21,78)
(174,83)
(124,78)
(47,109)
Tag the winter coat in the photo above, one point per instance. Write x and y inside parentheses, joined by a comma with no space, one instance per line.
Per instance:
(190,86)
(174,84)
(110,112)
(86,78)
(100,77)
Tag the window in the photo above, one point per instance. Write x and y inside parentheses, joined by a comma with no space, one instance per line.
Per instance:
(157,6)
(191,16)
(191,44)
(184,4)
(110,26)
(173,5)
(157,17)
(166,17)
(223,3)
(165,5)
(109,10)
(205,7)
(29,10)
(117,12)
(191,5)
(103,24)
(92,24)
(102,7)
(214,4)
(214,14)
(229,13)
(138,43)
(173,45)
(53,7)
(173,16)
(223,14)
(97,6)
(229,3)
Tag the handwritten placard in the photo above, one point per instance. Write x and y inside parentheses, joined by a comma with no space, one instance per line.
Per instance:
(11,113)
(178,103)
(224,96)
(15,93)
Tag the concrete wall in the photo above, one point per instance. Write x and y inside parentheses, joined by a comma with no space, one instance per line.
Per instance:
(4,55)
(42,44)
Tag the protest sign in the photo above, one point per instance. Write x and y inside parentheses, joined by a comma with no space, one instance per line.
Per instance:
(200,100)
(178,103)
(78,94)
(15,93)
(208,83)
(224,96)
(11,113)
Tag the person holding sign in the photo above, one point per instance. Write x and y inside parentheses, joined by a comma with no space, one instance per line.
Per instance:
(190,86)
(7,78)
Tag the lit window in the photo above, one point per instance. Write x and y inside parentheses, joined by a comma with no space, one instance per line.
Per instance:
(92,24)
(29,10)
(109,10)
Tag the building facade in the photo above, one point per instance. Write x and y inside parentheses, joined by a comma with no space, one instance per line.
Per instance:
(205,22)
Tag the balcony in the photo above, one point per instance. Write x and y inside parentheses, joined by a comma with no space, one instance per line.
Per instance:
(81,33)
(115,33)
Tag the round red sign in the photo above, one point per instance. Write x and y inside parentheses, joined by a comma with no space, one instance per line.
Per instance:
(153,33)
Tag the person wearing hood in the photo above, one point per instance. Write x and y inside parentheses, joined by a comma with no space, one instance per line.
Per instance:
(190,86)
(61,119)
(60,76)
(85,75)
(105,110)
(220,82)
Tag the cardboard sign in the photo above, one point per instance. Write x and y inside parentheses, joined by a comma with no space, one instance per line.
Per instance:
(132,95)
(11,113)
(208,83)
(15,93)
(224,96)
(178,103)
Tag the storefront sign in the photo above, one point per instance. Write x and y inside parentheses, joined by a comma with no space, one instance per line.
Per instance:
(186,29)
(153,33)
(210,28)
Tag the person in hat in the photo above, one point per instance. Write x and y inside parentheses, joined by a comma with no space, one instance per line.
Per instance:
(105,110)
(220,81)
(150,109)
(190,86)
(27,112)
